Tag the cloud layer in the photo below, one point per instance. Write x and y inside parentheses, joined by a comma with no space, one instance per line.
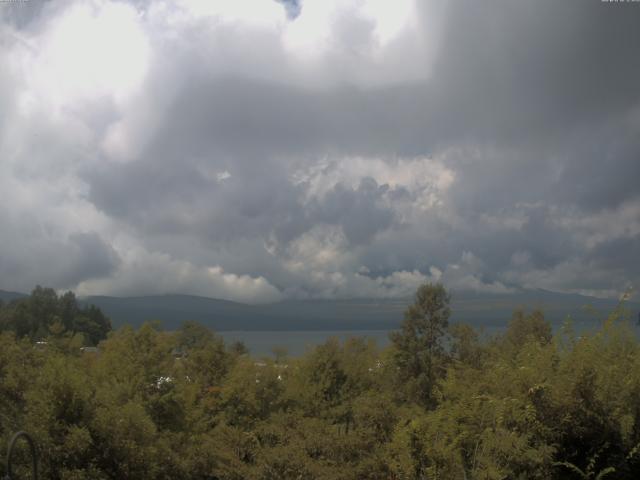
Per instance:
(263,150)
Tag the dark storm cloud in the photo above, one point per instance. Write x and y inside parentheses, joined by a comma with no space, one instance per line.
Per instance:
(532,68)
(538,105)
(360,212)
(552,85)
(545,241)
(171,195)
(62,263)
(88,257)
(532,108)
(546,94)
(246,128)
(621,254)
(250,118)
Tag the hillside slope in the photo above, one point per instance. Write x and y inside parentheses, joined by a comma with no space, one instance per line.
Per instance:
(368,314)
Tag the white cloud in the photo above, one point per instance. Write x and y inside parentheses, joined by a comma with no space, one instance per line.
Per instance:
(322,248)
(413,173)
(369,43)
(89,49)
(324,284)
(605,225)
(145,272)
(571,276)
(467,276)
(425,180)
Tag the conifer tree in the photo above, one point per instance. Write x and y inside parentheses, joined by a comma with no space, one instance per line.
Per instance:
(419,352)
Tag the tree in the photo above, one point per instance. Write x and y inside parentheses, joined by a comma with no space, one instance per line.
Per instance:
(419,352)
(193,335)
(44,313)
(528,328)
(205,359)
(92,323)
(68,310)
(466,347)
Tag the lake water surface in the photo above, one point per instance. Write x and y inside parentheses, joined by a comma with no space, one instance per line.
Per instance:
(262,343)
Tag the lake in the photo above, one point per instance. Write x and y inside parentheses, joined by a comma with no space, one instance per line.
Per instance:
(261,343)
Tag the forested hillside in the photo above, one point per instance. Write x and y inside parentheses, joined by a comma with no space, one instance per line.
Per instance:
(439,403)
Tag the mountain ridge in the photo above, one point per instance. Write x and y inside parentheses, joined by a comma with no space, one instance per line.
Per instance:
(478,309)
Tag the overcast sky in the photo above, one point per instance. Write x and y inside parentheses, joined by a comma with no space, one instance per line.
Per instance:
(257,150)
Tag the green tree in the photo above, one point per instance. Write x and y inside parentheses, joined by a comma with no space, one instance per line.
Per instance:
(465,345)
(525,328)
(44,313)
(419,352)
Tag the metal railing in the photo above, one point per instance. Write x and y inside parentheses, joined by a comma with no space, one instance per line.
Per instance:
(34,455)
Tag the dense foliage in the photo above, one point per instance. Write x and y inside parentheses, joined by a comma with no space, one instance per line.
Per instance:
(439,403)
(44,314)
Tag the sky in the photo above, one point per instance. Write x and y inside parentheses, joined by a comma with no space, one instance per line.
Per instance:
(260,150)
